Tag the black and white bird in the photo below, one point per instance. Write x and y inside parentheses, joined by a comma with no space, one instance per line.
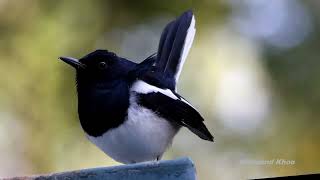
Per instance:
(132,111)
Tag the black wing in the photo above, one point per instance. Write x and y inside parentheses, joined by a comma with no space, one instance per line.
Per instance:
(176,110)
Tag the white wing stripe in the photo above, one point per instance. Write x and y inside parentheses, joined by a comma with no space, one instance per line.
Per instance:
(145,88)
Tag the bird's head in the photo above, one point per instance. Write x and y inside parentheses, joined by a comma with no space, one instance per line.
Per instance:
(99,68)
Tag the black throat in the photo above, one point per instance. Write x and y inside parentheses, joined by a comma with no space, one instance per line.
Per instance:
(102,107)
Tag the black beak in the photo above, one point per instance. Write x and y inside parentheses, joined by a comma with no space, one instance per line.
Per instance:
(73,62)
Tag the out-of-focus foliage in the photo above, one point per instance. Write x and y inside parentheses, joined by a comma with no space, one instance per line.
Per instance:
(252,72)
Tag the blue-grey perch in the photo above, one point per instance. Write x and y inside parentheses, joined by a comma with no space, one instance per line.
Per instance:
(178,169)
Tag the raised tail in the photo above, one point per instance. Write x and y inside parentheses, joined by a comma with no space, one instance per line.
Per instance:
(174,46)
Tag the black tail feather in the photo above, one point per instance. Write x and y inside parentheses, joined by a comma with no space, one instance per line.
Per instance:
(172,44)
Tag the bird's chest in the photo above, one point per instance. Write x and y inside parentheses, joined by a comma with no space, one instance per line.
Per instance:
(103,109)
(143,136)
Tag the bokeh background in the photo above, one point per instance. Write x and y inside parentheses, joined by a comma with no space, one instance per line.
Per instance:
(253,72)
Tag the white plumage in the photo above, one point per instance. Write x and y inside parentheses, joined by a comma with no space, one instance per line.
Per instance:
(143,88)
(144,136)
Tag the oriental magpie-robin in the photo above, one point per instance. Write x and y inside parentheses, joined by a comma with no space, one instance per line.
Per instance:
(132,111)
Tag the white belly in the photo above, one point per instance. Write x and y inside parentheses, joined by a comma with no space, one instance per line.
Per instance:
(144,136)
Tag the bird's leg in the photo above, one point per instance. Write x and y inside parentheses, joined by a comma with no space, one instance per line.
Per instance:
(158,158)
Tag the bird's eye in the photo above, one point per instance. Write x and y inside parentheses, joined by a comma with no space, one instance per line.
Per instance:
(102,65)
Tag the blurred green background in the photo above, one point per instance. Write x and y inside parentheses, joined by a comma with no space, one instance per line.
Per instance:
(253,73)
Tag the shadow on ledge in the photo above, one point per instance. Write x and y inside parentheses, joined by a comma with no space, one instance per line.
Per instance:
(178,169)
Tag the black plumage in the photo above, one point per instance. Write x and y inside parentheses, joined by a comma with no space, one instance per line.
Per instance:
(111,89)
(176,111)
